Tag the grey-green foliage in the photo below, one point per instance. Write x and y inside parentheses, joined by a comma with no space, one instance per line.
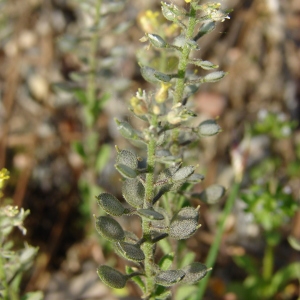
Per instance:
(13,262)
(165,118)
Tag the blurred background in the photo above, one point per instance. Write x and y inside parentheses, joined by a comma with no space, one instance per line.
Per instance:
(68,68)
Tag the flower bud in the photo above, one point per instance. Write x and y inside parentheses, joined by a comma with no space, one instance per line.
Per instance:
(111,277)
(219,15)
(138,106)
(162,94)
(110,229)
(169,278)
(111,205)
(209,128)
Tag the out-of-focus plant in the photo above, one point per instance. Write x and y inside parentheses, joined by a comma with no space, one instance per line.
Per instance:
(92,86)
(271,205)
(157,185)
(13,262)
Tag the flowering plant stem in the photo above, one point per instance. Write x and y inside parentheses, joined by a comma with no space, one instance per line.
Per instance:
(183,60)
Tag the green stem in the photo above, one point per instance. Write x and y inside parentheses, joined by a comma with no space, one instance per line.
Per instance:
(184,57)
(147,246)
(91,91)
(182,66)
(213,251)
(268,263)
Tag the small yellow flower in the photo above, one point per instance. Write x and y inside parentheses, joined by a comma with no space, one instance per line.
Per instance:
(187,1)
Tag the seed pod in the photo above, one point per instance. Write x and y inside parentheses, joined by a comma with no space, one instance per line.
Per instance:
(134,192)
(150,214)
(211,194)
(126,171)
(195,178)
(168,173)
(126,130)
(187,213)
(181,230)
(204,64)
(162,76)
(194,272)
(183,173)
(209,128)
(110,229)
(127,158)
(156,40)
(130,251)
(149,74)
(214,76)
(169,278)
(111,277)
(130,237)
(184,224)
(207,27)
(111,205)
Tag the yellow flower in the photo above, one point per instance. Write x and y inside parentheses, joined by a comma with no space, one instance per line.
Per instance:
(187,1)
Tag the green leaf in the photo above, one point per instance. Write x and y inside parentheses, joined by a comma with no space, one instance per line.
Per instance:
(136,279)
(103,157)
(184,292)
(77,146)
(33,296)
(166,261)
(187,259)
(247,263)
(165,246)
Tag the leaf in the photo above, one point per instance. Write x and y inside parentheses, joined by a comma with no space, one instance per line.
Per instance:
(247,263)
(136,279)
(166,261)
(33,296)
(102,157)
(77,146)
